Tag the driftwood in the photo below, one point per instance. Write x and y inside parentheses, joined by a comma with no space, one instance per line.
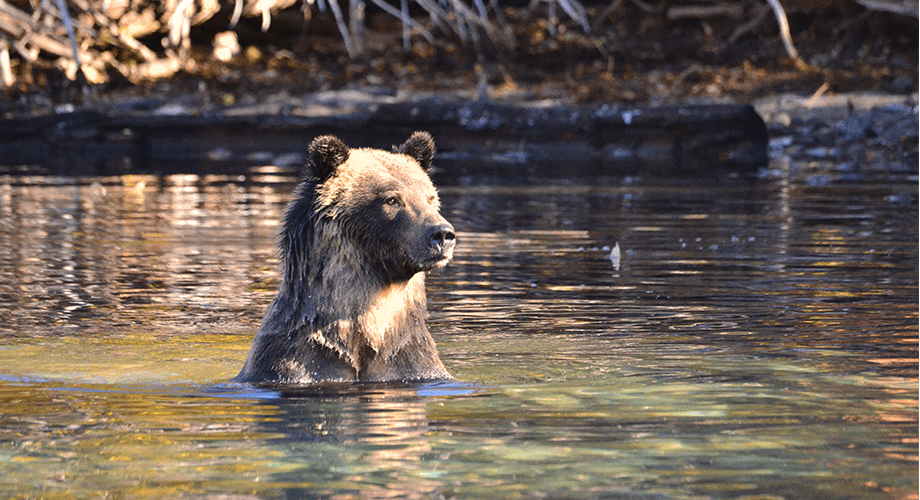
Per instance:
(30,35)
(49,28)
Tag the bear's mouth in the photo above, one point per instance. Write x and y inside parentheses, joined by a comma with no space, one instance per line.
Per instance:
(435,262)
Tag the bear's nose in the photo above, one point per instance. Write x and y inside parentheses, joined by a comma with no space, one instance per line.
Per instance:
(441,236)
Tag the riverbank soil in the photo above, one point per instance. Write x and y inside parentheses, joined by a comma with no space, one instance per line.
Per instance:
(634,52)
(644,52)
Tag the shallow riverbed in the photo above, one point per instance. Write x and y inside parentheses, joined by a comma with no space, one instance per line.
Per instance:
(624,338)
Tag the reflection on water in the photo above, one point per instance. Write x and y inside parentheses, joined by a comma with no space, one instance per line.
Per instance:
(127,250)
(759,339)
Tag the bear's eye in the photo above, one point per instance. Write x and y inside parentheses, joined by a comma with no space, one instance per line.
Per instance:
(391,201)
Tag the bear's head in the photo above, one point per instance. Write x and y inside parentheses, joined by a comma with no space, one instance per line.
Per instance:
(373,211)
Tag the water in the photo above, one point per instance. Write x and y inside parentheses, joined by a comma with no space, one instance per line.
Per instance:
(758,339)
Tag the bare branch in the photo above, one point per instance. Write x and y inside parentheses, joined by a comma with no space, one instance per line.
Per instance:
(784,28)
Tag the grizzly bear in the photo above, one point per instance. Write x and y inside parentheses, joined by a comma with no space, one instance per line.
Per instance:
(356,241)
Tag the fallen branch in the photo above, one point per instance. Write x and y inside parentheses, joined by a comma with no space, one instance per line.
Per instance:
(705,11)
(65,16)
(784,29)
(902,7)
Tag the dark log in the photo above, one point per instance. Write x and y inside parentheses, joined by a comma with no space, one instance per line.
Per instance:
(474,139)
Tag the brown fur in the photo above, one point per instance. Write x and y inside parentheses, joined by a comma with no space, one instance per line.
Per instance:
(356,241)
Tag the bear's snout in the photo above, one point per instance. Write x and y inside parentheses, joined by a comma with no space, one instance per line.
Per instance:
(441,238)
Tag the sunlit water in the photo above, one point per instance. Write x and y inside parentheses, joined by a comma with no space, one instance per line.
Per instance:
(754,339)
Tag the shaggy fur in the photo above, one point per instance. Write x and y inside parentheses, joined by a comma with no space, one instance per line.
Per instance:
(356,241)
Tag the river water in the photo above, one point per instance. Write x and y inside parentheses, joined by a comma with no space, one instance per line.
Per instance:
(619,338)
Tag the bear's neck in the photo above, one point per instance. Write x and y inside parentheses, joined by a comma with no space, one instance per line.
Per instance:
(373,325)
(352,313)
(387,315)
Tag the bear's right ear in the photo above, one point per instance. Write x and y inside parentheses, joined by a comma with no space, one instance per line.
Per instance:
(326,154)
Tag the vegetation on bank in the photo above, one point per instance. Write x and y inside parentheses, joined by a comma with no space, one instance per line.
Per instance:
(499,42)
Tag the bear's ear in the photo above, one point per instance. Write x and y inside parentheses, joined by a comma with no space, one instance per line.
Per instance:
(420,146)
(326,154)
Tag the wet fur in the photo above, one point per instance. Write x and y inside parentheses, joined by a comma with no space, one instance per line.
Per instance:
(352,304)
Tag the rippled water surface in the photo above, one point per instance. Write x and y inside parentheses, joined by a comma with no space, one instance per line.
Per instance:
(754,339)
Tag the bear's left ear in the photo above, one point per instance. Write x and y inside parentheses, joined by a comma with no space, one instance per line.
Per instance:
(326,154)
(420,146)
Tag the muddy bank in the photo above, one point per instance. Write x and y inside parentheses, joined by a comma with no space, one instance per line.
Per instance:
(645,91)
(632,52)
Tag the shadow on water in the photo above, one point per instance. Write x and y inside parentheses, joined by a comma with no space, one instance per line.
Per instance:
(625,338)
